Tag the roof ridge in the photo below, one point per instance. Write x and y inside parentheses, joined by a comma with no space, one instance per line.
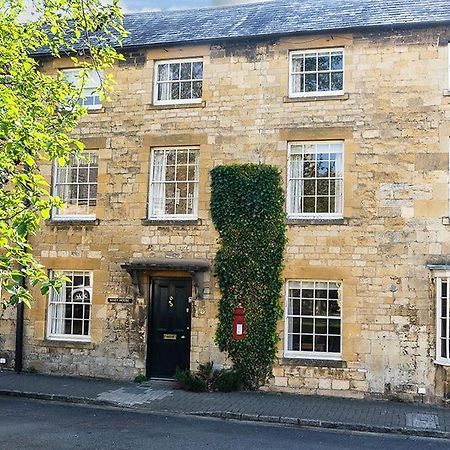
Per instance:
(208,8)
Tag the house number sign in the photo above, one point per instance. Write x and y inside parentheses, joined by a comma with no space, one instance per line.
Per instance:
(120,300)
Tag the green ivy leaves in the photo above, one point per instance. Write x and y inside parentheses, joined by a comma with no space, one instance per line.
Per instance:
(247,207)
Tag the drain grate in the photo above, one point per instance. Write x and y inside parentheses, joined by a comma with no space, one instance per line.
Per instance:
(422,421)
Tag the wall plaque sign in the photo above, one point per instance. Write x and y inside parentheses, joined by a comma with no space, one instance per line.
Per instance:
(120,300)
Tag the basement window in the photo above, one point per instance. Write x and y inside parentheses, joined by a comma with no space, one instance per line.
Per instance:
(313,327)
(315,73)
(178,81)
(70,311)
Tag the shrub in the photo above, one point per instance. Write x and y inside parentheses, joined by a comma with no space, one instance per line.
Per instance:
(247,208)
(190,381)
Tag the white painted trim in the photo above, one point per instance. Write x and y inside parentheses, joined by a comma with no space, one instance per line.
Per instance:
(314,355)
(69,337)
(311,355)
(448,66)
(155,82)
(438,311)
(72,218)
(448,171)
(175,217)
(321,216)
(316,93)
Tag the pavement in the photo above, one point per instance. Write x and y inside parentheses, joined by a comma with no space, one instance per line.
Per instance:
(297,410)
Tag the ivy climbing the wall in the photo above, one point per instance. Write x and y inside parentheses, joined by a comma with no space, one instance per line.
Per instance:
(247,206)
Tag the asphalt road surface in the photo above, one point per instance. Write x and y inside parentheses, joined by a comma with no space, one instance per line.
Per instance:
(30,424)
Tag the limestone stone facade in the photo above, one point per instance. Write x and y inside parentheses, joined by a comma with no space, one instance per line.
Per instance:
(394,121)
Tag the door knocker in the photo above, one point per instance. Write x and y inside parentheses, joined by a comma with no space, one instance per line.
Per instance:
(171,301)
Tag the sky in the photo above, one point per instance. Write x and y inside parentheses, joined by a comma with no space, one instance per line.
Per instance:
(151,5)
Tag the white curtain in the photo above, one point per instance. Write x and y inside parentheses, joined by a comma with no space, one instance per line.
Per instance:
(158,188)
(58,311)
(295,184)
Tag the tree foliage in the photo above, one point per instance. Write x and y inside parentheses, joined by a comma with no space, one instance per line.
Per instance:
(247,206)
(38,113)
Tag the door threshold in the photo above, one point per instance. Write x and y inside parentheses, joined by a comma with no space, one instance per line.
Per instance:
(162,379)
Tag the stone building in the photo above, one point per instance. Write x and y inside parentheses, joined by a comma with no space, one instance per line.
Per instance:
(352,104)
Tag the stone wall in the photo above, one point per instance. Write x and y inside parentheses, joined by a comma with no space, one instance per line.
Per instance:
(394,120)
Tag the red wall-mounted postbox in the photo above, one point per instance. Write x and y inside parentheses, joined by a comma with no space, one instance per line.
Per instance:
(238,323)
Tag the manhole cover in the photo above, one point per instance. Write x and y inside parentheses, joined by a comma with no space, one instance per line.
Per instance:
(424,421)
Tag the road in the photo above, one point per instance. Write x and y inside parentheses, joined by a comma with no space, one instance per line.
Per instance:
(30,424)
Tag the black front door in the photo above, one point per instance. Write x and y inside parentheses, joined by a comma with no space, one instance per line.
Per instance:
(169,326)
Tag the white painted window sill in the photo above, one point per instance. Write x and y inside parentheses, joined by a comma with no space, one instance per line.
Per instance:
(162,106)
(305,221)
(316,98)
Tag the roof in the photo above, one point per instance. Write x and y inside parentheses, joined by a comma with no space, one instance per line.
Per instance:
(278,17)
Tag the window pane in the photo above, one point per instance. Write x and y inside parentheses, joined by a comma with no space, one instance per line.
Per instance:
(186,90)
(324,61)
(310,82)
(320,344)
(197,70)
(334,344)
(324,82)
(337,81)
(294,307)
(307,326)
(307,307)
(334,308)
(337,61)
(307,343)
(174,71)
(298,83)
(175,91)
(310,63)
(186,71)
(295,345)
(197,89)
(163,72)
(321,307)
(297,64)
(334,326)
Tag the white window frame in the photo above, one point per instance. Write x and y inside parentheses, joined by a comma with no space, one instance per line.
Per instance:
(175,217)
(448,176)
(58,215)
(94,89)
(52,292)
(448,66)
(176,101)
(328,216)
(332,356)
(438,277)
(316,93)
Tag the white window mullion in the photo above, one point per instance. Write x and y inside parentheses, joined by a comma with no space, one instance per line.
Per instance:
(163,89)
(447,316)
(158,195)
(62,309)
